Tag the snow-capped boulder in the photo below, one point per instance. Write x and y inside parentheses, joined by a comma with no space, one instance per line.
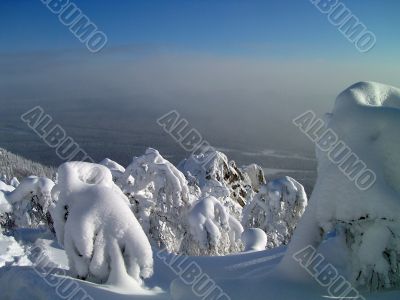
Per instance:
(212,230)
(276,209)
(102,238)
(254,239)
(366,118)
(159,196)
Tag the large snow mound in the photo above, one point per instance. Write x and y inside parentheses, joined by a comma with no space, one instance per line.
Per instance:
(366,117)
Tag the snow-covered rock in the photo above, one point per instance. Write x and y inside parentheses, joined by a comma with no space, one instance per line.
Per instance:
(93,221)
(256,175)
(276,209)
(366,118)
(217,176)
(254,239)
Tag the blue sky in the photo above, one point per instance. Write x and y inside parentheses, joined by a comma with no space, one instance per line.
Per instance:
(254,28)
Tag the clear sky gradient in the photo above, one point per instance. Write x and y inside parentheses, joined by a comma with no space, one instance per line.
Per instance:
(292,29)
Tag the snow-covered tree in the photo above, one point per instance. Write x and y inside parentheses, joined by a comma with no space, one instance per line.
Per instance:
(14,182)
(159,197)
(93,221)
(212,230)
(12,165)
(276,209)
(5,206)
(116,169)
(30,201)
(357,193)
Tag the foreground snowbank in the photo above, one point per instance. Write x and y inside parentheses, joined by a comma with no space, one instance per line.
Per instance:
(245,278)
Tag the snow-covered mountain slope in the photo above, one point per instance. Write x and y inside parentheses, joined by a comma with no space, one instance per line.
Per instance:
(12,165)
